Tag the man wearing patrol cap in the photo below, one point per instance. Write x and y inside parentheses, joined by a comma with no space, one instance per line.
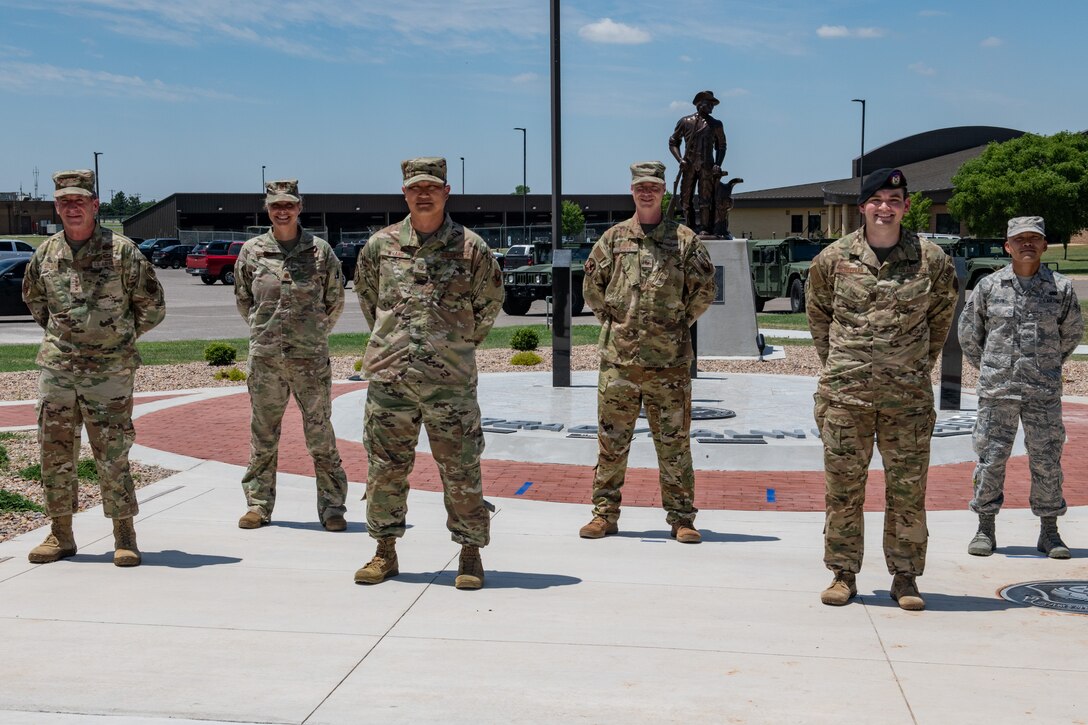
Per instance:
(703,137)
(647,279)
(94,293)
(430,290)
(880,303)
(1018,327)
(290,289)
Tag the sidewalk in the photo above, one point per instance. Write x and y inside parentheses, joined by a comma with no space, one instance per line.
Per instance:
(226,625)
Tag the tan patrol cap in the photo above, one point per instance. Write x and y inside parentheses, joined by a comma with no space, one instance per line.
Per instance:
(78,181)
(282,190)
(652,172)
(424,168)
(1021,224)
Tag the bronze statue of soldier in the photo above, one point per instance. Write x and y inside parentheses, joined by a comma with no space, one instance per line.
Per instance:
(703,137)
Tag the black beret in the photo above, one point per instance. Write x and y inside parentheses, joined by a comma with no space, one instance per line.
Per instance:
(882,179)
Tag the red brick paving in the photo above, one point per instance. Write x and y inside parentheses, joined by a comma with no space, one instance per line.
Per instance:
(19,415)
(218,429)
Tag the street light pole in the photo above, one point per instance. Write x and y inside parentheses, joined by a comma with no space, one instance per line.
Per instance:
(524,187)
(861,159)
(262,178)
(462,176)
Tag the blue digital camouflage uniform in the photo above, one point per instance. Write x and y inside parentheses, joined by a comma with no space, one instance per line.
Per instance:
(93,304)
(428,305)
(878,329)
(291,300)
(1018,339)
(647,291)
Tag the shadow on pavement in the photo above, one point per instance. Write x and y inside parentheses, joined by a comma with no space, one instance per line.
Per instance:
(170,558)
(946,602)
(1032,552)
(709,537)
(493,579)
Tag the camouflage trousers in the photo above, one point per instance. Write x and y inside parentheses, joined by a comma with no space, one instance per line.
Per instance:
(903,437)
(622,390)
(103,404)
(1044,437)
(271,381)
(394,413)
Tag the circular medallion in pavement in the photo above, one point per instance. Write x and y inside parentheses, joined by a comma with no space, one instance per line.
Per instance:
(703,412)
(1062,596)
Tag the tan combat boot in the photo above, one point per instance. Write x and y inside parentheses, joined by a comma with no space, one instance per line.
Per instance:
(60,544)
(1050,541)
(382,566)
(985,540)
(905,591)
(843,588)
(252,520)
(125,552)
(686,533)
(598,528)
(470,573)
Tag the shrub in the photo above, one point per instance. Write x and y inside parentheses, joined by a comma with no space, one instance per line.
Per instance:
(85,469)
(31,473)
(525,339)
(10,501)
(220,353)
(358,365)
(231,374)
(526,357)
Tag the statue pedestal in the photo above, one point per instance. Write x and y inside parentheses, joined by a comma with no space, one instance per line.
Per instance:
(729,327)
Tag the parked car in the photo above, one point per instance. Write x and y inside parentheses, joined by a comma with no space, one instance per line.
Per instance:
(173,256)
(214,262)
(15,248)
(521,255)
(12,270)
(348,254)
(150,246)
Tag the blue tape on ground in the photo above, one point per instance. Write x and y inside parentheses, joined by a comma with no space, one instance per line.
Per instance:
(524,488)
(770,495)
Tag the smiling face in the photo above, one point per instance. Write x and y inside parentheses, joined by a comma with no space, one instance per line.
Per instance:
(885,209)
(284,216)
(648,196)
(77,214)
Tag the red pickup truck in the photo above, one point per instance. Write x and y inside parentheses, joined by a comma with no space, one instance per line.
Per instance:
(214,261)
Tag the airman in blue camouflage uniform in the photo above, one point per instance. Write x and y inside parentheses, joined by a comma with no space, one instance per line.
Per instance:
(880,303)
(94,292)
(648,280)
(290,289)
(430,290)
(1020,324)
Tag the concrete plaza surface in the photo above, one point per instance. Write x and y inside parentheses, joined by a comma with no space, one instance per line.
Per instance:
(266,626)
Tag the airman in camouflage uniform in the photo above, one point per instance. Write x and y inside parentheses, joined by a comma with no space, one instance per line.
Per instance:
(1020,324)
(94,292)
(880,303)
(648,280)
(290,289)
(430,290)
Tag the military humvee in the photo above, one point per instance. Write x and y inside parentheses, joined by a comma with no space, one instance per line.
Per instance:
(780,268)
(534,282)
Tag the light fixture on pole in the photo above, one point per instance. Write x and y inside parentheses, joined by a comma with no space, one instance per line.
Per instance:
(462,175)
(262,178)
(524,187)
(861,159)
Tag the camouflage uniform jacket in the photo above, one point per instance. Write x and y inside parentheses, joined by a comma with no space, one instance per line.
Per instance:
(879,328)
(291,299)
(1017,338)
(428,306)
(93,303)
(647,291)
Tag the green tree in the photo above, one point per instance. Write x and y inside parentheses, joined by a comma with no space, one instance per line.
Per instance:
(124,205)
(1030,175)
(521,190)
(574,221)
(917,218)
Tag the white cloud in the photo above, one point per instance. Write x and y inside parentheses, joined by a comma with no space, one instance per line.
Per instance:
(49,79)
(523,78)
(607,30)
(841,31)
(686,59)
(922,69)
(992,42)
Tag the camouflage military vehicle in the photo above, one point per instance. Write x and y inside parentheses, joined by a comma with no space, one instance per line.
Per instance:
(780,268)
(982,256)
(533,282)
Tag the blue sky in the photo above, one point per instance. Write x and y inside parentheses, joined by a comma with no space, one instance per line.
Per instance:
(198,95)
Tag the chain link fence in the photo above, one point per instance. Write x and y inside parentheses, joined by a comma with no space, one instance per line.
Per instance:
(196,236)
